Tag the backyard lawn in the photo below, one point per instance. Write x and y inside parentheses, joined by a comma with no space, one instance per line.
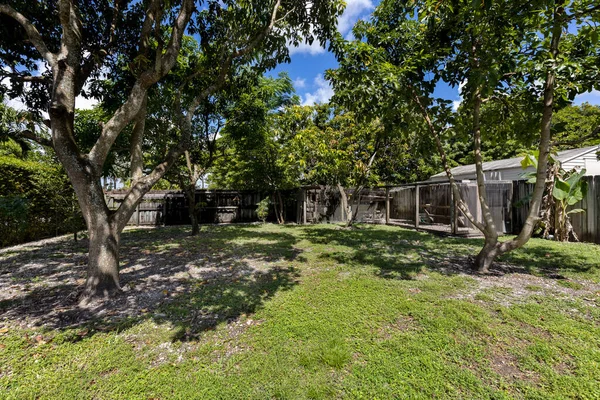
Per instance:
(268,311)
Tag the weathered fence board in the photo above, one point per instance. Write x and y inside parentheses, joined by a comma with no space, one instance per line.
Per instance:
(585,225)
(508,202)
(402,206)
(215,206)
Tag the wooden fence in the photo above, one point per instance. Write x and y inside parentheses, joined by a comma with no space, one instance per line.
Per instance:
(428,206)
(586,225)
(165,207)
(431,206)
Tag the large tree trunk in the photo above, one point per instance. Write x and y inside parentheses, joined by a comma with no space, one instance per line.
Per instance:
(103,263)
(195,224)
(487,254)
(71,68)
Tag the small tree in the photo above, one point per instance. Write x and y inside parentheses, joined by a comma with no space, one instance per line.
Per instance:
(262,209)
(335,149)
(255,142)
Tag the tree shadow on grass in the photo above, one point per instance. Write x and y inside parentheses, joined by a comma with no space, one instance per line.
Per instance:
(197,282)
(167,275)
(402,254)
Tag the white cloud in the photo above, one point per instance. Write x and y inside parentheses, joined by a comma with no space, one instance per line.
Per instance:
(592,97)
(312,49)
(457,103)
(299,83)
(354,9)
(322,93)
(42,67)
(17,104)
(82,103)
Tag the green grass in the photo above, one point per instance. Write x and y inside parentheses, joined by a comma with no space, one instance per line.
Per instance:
(369,313)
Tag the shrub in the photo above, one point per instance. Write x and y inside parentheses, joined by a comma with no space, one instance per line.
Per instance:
(36,201)
(262,210)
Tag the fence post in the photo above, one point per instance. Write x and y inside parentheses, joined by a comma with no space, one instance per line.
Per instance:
(387,205)
(453,216)
(417,201)
(137,215)
(304,201)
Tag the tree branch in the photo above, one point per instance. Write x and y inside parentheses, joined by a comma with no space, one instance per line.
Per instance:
(98,55)
(30,135)
(261,35)
(582,13)
(26,78)
(132,105)
(226,65)
(143,185)
(71,27)
(32,33)
(574,142)
(462,206)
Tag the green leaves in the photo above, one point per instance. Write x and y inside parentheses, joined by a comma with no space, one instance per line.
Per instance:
(530,160)
(572,190)
(561,190)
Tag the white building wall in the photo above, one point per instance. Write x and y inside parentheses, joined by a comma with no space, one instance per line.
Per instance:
(577,164)
(588,161)
(591,163)
(508,174)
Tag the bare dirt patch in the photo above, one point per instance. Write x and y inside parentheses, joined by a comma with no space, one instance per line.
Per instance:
(506,365)
(41,282)
(405,323)
(509,284)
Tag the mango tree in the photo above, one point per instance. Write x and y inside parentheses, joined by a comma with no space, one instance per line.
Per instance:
(83,42)
(493,50)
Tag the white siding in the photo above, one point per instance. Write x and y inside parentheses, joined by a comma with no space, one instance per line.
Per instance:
(576,163)
(508,174)
(589,161)
(592,165)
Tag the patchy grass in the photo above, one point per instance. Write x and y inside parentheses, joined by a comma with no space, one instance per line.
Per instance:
(255,312)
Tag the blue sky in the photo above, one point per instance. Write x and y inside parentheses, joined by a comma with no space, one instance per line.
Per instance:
(309,63)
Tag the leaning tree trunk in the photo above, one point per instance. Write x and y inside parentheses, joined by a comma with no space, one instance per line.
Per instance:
(490,252)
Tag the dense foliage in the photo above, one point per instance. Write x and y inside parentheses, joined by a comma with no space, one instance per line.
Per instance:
(36,200)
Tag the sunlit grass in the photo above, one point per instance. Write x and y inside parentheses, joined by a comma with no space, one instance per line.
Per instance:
(367,313)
